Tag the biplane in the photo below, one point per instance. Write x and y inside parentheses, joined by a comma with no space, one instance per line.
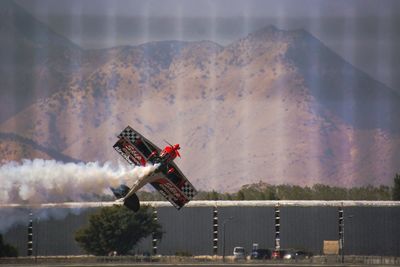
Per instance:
(167,179)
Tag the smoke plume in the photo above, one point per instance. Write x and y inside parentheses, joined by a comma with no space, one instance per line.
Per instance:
(41,181)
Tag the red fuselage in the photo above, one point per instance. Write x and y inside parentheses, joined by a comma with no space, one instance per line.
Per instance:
(170,153)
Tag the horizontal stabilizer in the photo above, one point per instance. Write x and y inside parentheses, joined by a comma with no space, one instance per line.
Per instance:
(132,202)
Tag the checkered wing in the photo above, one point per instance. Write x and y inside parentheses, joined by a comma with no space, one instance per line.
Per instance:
(130,134)
(182,182)
(178,192)
(188,190)
(144,145)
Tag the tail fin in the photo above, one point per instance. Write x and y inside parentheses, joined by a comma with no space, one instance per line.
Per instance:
(120,191)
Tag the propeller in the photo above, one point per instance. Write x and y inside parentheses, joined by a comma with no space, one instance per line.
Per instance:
(168,143)
(177,152)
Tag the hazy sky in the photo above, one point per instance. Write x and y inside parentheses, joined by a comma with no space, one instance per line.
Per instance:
(364,32)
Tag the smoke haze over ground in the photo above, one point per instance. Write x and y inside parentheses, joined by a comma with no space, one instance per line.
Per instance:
(42,181)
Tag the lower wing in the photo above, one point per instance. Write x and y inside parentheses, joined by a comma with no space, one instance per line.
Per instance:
(171,191)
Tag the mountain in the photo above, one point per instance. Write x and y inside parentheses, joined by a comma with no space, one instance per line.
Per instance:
(275,106)
(17,147)
(35,61)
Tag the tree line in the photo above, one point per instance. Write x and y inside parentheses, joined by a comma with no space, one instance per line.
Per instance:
(264,191)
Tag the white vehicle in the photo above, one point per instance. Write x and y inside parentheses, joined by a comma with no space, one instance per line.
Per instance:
(239,253)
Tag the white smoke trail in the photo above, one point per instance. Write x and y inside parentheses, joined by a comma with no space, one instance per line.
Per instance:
(41,181)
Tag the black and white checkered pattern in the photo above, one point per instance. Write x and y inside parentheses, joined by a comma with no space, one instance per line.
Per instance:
(188,190)
(130,134)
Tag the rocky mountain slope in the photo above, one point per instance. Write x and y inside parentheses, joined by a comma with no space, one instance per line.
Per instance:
(275,106)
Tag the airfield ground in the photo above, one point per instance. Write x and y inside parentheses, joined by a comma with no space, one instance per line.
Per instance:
(195,264)
(164,261)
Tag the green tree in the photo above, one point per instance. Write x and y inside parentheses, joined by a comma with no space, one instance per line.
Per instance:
(396,187)
(214,195)
(228,196)
(7,250)
(240,195)
(272,194)
(201,195)
(117,229)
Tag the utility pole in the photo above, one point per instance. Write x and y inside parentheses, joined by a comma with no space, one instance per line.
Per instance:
(37,239)
(277,228)
(30,235)
(341,233)
(155,237)
(215,231)
(223,234)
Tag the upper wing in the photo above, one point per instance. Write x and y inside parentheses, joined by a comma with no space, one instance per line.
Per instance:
(129,152)
(175,187)
(144,145)
(133,147)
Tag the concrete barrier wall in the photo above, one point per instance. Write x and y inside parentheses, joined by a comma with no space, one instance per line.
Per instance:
(369,230)
(372,231)
(186,231)
(308,227)
(248,225)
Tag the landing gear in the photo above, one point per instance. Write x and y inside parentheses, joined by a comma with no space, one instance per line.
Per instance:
(132,203)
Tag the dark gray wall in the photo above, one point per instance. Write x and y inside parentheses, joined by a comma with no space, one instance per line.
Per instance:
(52,235)
(308,227)
(18,237)
(248,225)
(372,231)
(368,230)
(188,230)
